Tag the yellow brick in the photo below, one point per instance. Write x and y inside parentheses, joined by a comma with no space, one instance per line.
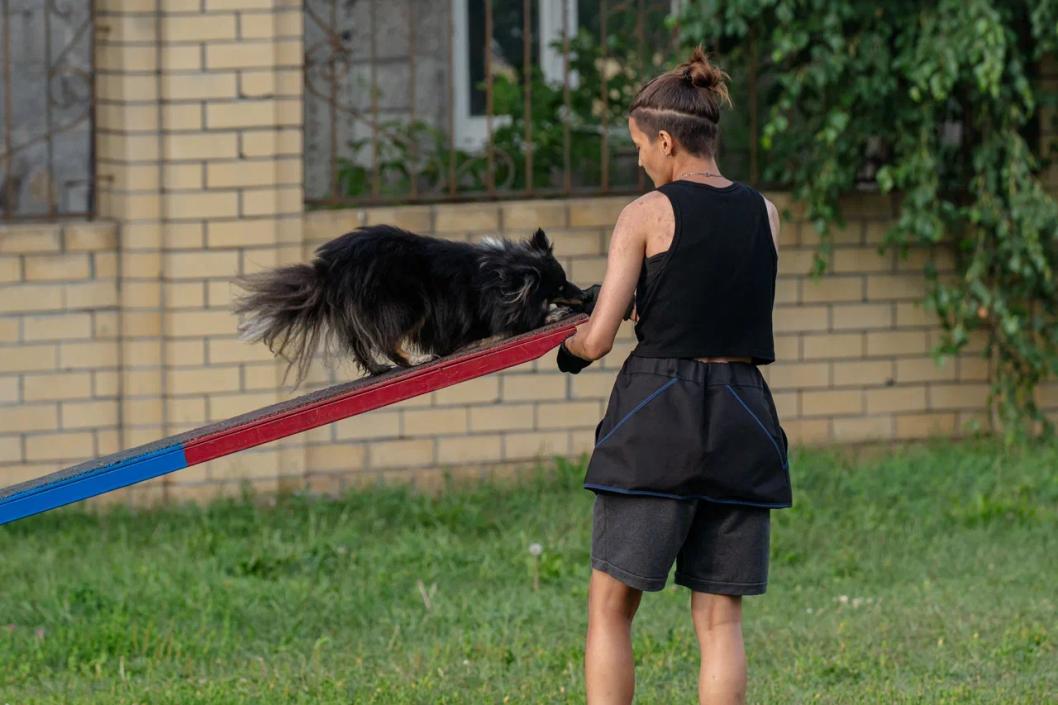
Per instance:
(896,342)
(185,236)
(587,269)
(831,401)
(27,358)
(434,422)
(337,456)
(90,237)
(59,385)
(466,218)
(974,369)
(214,145)
(106,383)
(518,417)
(142,353)
(56,267)
(242,113)
(30,297)
(199,265)
(263,376)
(924,425)
(257,84)
(9,391)
(913,313)
(187,57)
(224,406)
(533,444)
(473,448)
(252,465)
(23,239)
(141,324)
(289,82)
(10,269)
(87,355)
(183,176)
(529,215)
(589,385)
(59,446)
(832,288)
(27,417)
(202,379)
(798,261)
(9,332)
(481,389)
(187,410)
(88,414)
(374,424)
(860,429)
(896,286)
(129,27)
(863,372)
(596,211)
(105,324)
(237,233)
(222,351)
(240,173)
(240,55)
(182,116)
(201,28)
(10,452)
(789,319)
(833,345)
(862,316)
(575,242)
(57,327)
(185,352)
(418,451)
(106,265)
(958,396)
(568,415)
(90,294)
(797,375)
(535,386)
(896,399)
(201,204)
(200,323)
(213,5)
(122,87)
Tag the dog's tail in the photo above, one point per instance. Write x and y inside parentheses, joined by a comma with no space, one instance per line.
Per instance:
(286,309)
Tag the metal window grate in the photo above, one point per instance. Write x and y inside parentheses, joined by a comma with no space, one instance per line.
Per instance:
(46,109)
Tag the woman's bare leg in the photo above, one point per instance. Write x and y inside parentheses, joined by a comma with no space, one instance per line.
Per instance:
(718,624)
(609,669)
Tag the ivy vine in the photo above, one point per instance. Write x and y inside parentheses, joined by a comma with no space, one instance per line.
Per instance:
(941,104)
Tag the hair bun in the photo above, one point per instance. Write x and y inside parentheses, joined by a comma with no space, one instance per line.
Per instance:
(700,73)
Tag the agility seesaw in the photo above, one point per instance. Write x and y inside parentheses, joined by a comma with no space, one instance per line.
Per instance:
(276,421)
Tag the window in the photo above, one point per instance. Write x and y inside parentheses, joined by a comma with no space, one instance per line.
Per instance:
(468,61)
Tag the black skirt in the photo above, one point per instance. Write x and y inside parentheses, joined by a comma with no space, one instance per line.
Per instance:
(687,429)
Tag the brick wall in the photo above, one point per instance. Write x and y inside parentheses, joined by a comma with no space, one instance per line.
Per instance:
(59,353)
(118,332)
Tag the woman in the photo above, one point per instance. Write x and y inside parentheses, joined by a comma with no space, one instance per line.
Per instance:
(690,457)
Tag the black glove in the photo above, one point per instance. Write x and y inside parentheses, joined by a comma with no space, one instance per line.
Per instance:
(591,294)
(568,362)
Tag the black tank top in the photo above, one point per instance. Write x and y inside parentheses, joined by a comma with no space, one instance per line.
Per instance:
(712,292)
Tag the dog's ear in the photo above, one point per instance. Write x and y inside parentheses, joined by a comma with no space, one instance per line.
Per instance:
(540,241)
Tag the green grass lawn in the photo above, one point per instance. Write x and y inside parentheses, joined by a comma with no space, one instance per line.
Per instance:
(928,574)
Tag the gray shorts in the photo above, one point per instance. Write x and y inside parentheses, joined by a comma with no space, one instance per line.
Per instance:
(718,548)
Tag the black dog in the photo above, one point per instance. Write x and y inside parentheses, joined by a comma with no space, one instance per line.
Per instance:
(373,289)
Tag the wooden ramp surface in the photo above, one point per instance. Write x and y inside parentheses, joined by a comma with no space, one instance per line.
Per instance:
(276,421)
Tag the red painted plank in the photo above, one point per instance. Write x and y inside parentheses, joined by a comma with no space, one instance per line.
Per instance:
(416,381)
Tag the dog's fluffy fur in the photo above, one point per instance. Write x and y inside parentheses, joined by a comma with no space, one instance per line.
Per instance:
(373,290)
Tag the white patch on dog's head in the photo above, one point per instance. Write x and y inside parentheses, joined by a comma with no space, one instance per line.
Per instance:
(489,241)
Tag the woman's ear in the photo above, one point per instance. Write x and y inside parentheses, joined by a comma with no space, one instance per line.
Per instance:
(667,143)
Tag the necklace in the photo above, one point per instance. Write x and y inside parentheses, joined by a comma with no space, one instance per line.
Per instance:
(698,173)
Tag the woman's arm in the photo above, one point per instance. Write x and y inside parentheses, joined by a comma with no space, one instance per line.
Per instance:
(594,338)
